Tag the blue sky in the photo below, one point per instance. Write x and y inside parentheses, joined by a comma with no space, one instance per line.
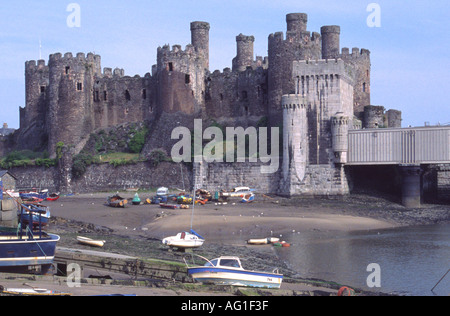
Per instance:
(410,51)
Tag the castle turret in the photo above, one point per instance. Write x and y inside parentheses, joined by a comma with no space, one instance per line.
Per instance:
(244,56)
(297,22)
(339,131)
(200,39)
(70,93)
(330,41)
(295,142)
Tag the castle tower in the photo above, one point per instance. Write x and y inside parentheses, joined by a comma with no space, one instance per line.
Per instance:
(200,39)
(295,142)
(360,60)
(32,117)
(330,41)
(245,47)
(297,22)
(70,109)
(299,44)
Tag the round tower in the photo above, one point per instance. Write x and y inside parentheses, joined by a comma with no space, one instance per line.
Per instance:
(200,39)
(70,96)
(330,41)
(244,58)
(339,132)
(297,22)
(295,142)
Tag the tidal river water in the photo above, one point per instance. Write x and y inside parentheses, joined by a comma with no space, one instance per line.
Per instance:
(411,260)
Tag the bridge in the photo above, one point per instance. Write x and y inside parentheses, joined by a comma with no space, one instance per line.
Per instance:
(409,148)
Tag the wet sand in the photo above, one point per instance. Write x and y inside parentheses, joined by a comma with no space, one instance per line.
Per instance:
(216,222)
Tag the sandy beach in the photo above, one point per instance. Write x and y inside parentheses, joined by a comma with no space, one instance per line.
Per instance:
(216,220)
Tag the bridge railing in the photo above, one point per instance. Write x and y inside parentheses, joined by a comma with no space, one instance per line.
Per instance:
(419,145)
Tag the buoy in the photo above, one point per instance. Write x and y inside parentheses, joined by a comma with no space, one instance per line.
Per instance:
(346,291)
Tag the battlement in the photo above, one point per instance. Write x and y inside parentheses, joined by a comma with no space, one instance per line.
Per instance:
(31,65)
(307,37)
(175,51)
(356,53)
(332,68)
(80,57)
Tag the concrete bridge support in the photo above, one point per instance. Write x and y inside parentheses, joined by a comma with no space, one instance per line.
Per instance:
(411,185)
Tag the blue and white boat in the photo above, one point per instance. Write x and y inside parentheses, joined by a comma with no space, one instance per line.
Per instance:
(229,271)
(24,247)
(43,195)
(40,214)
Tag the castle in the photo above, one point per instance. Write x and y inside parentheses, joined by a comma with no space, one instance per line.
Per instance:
(307,85)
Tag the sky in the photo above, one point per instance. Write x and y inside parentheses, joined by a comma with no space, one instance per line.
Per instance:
(409,47)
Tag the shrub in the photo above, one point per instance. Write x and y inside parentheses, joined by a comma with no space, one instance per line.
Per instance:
(157,156)
(80,164)
(137,142)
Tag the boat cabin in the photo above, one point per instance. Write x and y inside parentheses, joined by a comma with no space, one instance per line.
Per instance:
(240,190)
(227,262)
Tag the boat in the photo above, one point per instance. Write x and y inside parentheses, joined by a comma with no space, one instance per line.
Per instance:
(91,242)
(117,201)
(204,195)
(263,241)
(237,192)
(169,206)
(27,195)
(40,214)
(25,247)
(185,240)
(282,244)
(30,292)
(136,200)
(248,198)
(53,197)
(229,271)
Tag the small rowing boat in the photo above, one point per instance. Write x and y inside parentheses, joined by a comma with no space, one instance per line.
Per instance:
(169,206)
(53,197)
(91,242)
(248,198)
(30,292)
(117,201)
(264,241)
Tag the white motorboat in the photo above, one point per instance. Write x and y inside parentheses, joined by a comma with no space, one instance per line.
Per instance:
(185,240)
(229,271)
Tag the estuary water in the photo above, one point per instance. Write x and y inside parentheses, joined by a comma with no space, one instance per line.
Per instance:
(411,260)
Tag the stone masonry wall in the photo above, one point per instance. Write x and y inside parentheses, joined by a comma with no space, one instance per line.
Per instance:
(105,177)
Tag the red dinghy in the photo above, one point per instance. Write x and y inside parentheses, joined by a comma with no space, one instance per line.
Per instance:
(53,197)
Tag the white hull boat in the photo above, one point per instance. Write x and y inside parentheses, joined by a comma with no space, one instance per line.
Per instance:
(264,241)
(91,242)
(229,271)
(185,240)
